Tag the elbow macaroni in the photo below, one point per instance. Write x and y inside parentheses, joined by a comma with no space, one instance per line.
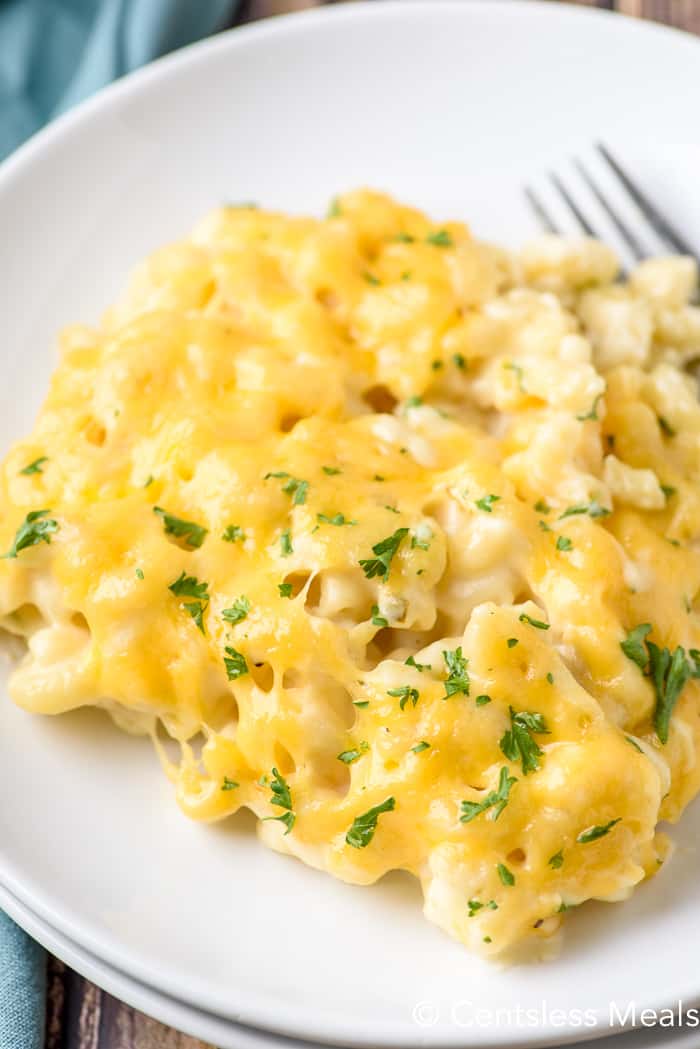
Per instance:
(359,512)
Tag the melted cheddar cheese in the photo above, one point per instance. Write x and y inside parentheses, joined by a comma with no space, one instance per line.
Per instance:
(397,535)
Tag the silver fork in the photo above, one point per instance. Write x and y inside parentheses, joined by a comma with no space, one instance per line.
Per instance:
(638,205)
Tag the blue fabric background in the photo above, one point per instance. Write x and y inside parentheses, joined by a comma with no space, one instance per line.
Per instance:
(53,53)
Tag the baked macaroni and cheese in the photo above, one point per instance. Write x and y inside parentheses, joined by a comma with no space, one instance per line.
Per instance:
(396,535)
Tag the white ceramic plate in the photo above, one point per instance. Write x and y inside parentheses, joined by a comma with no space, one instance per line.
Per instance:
(223,1033)
(449,105)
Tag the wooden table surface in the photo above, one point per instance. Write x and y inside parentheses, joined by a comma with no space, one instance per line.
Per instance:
(79,1015)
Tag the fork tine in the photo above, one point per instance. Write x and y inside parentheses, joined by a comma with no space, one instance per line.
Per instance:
(541,213)
(622,228)
(572,205)
(659,223)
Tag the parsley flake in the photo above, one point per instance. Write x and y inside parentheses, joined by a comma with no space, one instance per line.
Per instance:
(593,509)
(36,528)
(406,694)
(285,589)
(482,700)
(507,877)
(235,663)
(594,833)
(420,747)
(337,519)
(229,784)
(486,503)
(512,642)
(35,467)
(517,743)
(189,586)
(564,543)
(237,612)
(495,800)
(420,667)
(556,861)
(286,548)
(363,827)
(441,238)
(525,618)
(192,534)
(378,620)
(293,486)
(282,797)
(457,680)
(232,534)
(385,552)
(350,756)
(331,470)
(592,413)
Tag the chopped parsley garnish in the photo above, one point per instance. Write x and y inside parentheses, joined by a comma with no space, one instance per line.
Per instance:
(192,534)
(459,361)
(507,877)
(414,402)
(477,905)
(392,509)
(337,519)
(237,612)
(441,238)
(594,833)
(35,467)
(286,547)
(282,797)
(550,677)
(593,413)
(349,756)
(385,552)
(666,426)
(378,620)
(233,533)
(667,489)
(495,800)
(334,209)
(293,486)
(139,573)
(420,667)
(564,543)
(518,372)
(36,528)
(633,743)
(517,743)
(525,618)
(633,645)
(189,586)
(512,642)
(541,507)
(331,470)
(544,526)
(363,827)
(420,747)
(457,680)
(235,663)
(437,365)
(371,279)
(668,672)
(486,502)
(229,784)
(404,238)
(482,700)
(406,694)
(556,861)
(361,703)
(593,509)
(285,589)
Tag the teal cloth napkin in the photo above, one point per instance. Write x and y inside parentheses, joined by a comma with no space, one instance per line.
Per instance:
(53,53)
(22,988)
